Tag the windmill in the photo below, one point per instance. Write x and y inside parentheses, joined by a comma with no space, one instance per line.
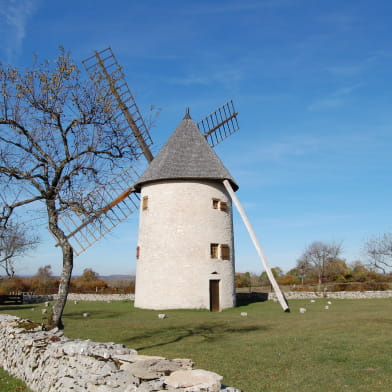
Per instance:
(117,200)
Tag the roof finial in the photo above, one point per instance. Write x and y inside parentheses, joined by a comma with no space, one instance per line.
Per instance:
(187,114)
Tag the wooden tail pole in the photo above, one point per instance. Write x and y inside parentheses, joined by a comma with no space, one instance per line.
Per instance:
(260,252)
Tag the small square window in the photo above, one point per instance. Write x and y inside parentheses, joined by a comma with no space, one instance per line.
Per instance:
(214,251)
(145,203)
(215,204)
(225,252)
(223,206)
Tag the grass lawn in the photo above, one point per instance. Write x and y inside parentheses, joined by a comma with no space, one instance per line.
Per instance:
(11,384)
(345,348)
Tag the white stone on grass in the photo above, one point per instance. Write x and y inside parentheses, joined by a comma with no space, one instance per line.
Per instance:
(244,314)
(161,316)
(326,307)
(312,300)
(329,303)
(86,315)
(302,310)
(44,311)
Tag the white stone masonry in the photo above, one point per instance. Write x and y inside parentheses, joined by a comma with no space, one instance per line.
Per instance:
(176,230)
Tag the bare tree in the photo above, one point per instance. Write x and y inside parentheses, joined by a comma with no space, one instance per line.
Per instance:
(378,249)
(43,282)
(15,241)
(303,266)
(59,139)
(317,256)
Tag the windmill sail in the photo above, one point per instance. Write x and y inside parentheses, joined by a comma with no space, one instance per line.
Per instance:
(113,203)
(103,66)
(103,210)
(220,124)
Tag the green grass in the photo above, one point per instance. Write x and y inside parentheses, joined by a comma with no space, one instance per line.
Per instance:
(11,384)
(345,348)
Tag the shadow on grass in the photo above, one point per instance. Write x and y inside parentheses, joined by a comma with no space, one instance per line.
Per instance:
(101,314)
(244,299)
(5,308)
(379,321)
(209,333)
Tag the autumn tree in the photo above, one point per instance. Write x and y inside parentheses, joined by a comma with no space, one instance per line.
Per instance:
(43,282)
(317,257)
(359,272)
(89,275)
(59,139)
(15,241)
(337,270)
(276,272)
(89,281)
(378,250)
(243,279)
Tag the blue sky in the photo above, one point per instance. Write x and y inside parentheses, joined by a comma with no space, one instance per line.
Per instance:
(310,80)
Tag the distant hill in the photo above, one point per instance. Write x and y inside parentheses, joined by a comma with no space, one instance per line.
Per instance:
(117,277)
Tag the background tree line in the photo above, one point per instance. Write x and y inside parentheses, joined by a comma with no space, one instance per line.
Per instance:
(43,282)
(321,265)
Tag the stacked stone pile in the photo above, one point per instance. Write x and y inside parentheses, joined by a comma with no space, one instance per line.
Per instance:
(48,361)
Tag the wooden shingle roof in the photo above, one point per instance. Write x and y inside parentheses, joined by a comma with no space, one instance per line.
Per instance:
(186,155)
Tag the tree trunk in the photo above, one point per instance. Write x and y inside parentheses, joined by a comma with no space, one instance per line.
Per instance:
(54,319)
(58,307)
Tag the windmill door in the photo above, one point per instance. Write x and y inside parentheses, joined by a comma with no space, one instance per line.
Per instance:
(214,296)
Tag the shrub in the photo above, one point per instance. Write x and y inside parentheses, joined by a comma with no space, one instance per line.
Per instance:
(376,286)
(13,285)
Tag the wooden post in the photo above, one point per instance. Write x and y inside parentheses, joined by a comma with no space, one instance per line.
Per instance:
(257,245)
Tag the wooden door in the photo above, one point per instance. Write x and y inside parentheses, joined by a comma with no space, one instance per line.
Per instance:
(214,296)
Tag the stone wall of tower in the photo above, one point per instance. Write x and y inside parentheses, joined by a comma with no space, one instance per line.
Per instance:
(176,230)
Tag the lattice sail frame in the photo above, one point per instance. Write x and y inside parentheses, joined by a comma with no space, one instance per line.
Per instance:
(103,67)
(220,124)
(110,204)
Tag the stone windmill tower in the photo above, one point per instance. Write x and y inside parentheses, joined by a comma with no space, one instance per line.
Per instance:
(185,256)
(185,253)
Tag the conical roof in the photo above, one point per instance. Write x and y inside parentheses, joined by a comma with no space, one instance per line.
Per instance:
(186,155)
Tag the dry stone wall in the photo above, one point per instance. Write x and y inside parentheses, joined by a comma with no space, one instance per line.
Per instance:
(99,297)
(48,361)
(32,298)
(335,294)
(262,296)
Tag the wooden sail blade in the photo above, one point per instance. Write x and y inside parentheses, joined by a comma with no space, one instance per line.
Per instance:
(220,124)
(103,67)
(101,211)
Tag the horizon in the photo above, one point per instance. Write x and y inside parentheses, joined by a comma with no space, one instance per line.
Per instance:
(309,81)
